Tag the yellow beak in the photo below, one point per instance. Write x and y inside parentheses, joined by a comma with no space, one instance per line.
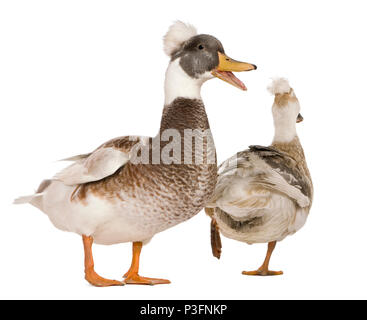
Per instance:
(227,65)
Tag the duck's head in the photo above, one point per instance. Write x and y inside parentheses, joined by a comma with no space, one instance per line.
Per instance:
(286,110)
(201,56)
(286,104)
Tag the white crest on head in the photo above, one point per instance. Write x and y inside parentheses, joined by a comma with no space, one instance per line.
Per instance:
(176,35)
(279,86)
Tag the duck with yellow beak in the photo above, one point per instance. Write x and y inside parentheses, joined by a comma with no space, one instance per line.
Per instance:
(195,59)
(107,197)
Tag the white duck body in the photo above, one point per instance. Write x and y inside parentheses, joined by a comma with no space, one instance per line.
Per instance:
(108,222)
(264,194)
(105,221)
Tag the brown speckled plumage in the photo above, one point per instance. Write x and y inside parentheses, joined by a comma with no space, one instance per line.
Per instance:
(182,189)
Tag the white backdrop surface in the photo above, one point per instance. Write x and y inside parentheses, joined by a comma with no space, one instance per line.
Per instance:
(74,74)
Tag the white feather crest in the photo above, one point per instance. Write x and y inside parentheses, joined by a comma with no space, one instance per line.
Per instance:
(279,85)
(177,34)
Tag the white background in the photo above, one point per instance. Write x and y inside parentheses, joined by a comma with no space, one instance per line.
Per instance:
(74,74)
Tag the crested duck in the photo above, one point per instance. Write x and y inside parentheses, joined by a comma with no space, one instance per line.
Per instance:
(264,194)
(108,196)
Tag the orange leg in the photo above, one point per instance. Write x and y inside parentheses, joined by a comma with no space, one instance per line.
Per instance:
(132,276)
(263,270)
(90,275)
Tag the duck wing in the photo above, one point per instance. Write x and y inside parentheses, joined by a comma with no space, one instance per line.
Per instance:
(246,182)
(284,175)
(101,163)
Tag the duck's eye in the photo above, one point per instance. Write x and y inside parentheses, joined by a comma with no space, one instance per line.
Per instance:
(200,47)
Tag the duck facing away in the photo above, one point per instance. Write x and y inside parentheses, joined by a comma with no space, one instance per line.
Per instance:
(264,194)
(108,196)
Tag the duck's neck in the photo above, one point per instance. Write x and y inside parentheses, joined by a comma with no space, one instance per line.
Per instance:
(185,121)
(178,84)
(284,125)
(284,133)
(183,114)
(183,107)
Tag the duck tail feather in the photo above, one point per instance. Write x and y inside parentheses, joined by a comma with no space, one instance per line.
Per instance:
(215,239)
(77,157)
(27,199)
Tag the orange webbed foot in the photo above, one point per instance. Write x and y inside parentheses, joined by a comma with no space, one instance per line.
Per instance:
(96,280)
(134,278)
(262,272)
